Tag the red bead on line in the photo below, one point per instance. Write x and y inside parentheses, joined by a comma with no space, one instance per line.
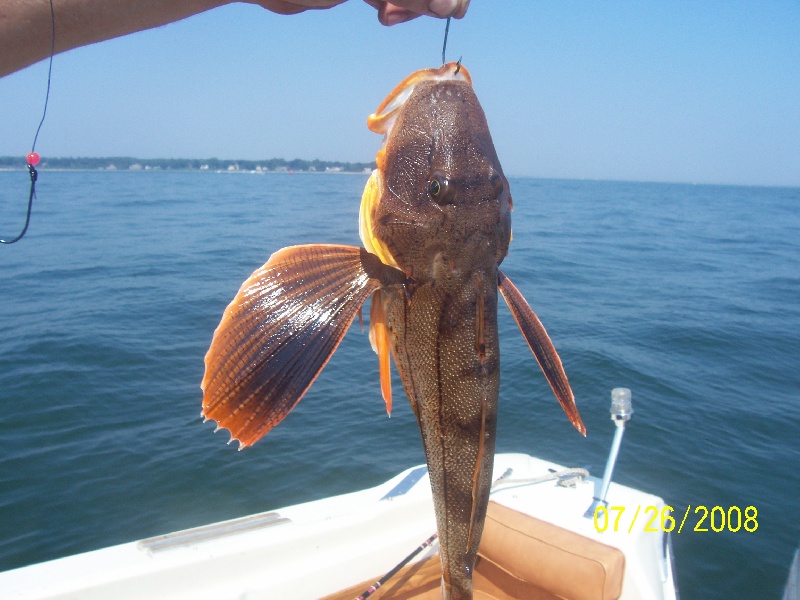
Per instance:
(33,158)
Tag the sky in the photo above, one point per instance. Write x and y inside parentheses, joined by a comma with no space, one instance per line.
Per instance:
(679,91)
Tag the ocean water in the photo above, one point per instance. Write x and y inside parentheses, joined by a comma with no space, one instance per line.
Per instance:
(689,295)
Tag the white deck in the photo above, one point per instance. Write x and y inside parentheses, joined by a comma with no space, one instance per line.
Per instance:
(313,549)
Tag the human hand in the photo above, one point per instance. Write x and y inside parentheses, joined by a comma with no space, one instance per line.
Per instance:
(25,26)
(291,7)
(400,11)
(389,13)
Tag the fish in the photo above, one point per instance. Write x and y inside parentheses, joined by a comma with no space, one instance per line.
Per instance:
(435,224)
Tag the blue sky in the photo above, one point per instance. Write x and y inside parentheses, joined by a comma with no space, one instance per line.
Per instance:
(699,92)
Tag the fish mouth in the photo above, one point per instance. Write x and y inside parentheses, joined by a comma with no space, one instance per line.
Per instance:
(382,120)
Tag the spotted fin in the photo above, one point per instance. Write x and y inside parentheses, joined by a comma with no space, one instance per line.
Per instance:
(539,342)
(279,332)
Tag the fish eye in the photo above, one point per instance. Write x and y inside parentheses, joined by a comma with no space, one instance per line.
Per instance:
(437,186)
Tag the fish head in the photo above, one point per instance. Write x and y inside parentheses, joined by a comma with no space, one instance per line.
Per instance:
(439,192)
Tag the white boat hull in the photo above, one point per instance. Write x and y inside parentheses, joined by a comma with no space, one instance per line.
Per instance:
(314,549)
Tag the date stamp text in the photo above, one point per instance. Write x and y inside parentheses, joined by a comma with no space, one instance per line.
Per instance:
(695,518)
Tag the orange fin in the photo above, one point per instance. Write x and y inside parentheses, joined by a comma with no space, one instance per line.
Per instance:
(539,342)
(279,332)
(379,338)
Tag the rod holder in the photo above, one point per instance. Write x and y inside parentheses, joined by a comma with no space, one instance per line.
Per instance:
(621,412)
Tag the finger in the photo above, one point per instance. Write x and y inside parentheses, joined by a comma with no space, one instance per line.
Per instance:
(291,7)
(389,15)
(434,8)
(400,11)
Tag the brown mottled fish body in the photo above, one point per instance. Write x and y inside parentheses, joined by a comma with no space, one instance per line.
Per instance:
(435,221)
(443,327)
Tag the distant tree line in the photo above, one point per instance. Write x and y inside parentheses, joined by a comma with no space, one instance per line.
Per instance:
(187,164)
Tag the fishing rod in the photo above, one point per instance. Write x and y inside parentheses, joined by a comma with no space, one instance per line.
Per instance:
(375,586)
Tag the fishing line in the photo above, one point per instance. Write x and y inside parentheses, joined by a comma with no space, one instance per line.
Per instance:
(444,44)
(33,157)
(444,48)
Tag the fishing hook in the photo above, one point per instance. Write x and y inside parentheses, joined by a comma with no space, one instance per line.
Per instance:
(444,48)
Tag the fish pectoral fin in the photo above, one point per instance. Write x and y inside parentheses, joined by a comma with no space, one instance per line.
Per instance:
(379,338)
(279,332)
(542,347)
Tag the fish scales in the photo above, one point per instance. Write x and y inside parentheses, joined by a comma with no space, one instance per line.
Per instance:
(435,221)
(462,235)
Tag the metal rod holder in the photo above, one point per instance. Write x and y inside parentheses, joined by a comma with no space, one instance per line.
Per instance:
(621,412)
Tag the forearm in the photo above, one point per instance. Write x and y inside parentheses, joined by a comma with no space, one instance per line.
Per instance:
(25,25)
(26,30)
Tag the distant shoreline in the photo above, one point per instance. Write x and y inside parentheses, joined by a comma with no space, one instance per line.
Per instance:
(223,172)
(214,165)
